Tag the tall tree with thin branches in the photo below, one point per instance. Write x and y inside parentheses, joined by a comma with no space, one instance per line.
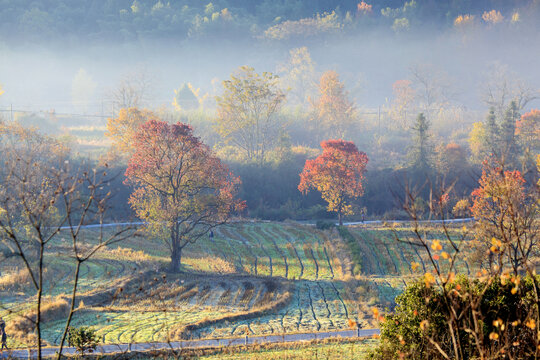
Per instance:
(248,112)
(41,196)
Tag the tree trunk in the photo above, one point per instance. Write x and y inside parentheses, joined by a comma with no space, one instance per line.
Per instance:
(176,258)
(340,218)
(71,310)
(39,299)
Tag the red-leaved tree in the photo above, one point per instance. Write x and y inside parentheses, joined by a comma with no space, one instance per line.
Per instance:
(337,173)
(182,190)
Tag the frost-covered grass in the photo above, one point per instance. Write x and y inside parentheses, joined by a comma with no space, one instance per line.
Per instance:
(127,296)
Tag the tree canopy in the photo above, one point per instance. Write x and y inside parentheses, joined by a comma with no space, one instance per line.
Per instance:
(182,190)
(248,112)
(337,174)
(333,112)
(123,128)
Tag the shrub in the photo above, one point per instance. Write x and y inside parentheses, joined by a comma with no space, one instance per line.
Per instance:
(83,339)
(15,280)
(133,255)
(421,320)
(325,224)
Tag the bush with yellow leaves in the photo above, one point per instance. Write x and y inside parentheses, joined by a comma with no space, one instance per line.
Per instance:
(475,319)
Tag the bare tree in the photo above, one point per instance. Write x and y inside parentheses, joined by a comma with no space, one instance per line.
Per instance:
(41,196)
(248,112)
(501,86)
(133,90)
(433,88)
(299,75)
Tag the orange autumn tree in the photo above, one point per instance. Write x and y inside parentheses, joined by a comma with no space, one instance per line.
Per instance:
(506,214)
(337,173)
(181,189)
(123,128)
(333,112)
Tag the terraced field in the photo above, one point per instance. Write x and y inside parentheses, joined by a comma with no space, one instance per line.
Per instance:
(390,254)
(387,254)
(255,278)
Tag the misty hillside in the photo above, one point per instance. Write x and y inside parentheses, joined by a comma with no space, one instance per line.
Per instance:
(69,67)
(126,20)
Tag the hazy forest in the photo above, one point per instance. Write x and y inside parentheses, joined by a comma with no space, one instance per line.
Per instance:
(180,173)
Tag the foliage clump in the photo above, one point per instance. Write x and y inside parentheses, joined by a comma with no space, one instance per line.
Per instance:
(493,314)
(83,339)
(421,320)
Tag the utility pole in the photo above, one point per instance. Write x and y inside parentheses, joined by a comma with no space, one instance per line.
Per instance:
(11,111)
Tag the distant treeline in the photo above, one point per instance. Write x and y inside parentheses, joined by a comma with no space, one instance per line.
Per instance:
(129,20)
(271,193)
(414,146)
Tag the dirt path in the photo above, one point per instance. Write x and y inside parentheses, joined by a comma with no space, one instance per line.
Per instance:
(193,344)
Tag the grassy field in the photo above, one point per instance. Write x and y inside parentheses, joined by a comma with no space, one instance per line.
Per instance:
(353,350)
(257,278)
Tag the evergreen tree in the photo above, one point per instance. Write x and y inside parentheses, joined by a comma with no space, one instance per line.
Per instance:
(491,139)
(509,146)
(185,98)
(422,149)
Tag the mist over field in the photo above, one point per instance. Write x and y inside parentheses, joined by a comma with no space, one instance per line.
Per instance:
(37,77)
(391,61)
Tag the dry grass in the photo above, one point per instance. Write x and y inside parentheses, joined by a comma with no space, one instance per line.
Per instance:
(220,266)
(341,256)
(290,249)
(332,241)
(307,250)
(21,327)
(189,293)
(133,255)
(15,280)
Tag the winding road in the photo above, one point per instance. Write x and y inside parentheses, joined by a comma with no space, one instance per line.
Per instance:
(194,344)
